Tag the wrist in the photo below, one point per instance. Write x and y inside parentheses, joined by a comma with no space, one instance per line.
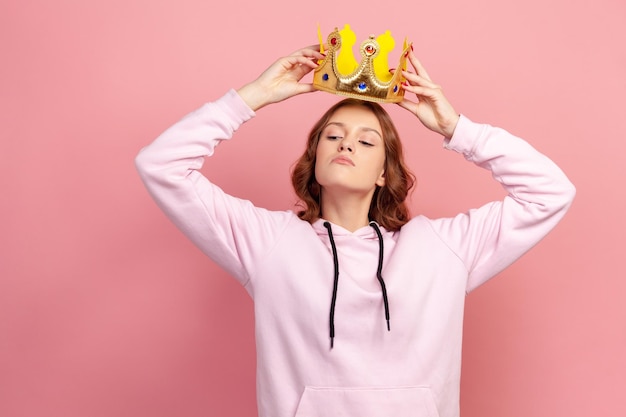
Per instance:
(450,126)
(252,96)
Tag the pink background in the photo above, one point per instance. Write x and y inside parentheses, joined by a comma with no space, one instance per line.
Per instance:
(107,310)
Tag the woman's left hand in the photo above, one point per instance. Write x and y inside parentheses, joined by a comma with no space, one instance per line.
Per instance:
(432,107)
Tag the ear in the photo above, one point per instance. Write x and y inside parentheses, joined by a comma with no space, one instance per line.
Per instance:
(381,179)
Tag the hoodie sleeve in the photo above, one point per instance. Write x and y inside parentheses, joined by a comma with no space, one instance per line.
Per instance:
(231,231)
(490,238)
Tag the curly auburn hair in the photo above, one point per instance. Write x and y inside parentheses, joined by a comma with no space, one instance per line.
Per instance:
(388,207)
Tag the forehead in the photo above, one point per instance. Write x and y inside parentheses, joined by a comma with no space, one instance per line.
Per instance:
(356,116)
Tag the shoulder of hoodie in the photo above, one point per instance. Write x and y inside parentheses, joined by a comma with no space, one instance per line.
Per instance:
(424,228)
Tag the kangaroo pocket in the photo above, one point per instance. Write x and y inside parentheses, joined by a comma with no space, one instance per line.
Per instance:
(367,402)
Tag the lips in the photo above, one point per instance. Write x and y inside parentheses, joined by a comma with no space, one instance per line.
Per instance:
(343,160)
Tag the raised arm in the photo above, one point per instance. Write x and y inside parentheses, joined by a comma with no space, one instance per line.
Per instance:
(490,238)
(231,231)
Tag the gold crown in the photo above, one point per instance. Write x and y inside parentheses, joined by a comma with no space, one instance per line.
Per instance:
(370,79)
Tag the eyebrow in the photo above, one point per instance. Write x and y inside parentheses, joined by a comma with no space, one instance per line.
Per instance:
(363,128)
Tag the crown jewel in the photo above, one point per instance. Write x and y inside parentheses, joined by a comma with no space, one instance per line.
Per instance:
(369,79)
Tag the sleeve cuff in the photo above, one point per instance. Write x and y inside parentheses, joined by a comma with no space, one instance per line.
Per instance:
(233,105)
(465,137)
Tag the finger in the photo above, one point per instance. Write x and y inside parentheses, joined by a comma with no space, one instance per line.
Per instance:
(302,88)
(421,91)
(313,53)
(311,50)
(292,61)
(408,105)
(419,68)
(415,79)
(307,61)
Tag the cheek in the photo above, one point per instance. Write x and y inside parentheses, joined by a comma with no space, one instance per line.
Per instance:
(379,161)
(321,153)
(323,147)
(317,166)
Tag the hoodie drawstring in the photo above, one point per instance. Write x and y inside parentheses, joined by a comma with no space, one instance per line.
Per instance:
(379,275)
(333,302)
(335,283)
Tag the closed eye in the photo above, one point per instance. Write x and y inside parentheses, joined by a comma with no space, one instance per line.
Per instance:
(330,137)
(366,143)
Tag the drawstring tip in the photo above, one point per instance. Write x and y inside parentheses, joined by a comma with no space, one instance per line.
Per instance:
(331,342)
(388,327)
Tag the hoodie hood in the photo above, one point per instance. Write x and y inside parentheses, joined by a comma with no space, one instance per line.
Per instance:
(365,232)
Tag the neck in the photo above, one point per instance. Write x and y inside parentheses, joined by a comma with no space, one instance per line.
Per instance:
(350,211)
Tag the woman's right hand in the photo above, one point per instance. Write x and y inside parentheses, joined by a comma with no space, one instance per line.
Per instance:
(432,107)
(282,79)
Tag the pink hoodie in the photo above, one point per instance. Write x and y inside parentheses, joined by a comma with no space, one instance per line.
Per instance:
(288,268)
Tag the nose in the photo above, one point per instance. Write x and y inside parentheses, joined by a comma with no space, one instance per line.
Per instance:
(346,145)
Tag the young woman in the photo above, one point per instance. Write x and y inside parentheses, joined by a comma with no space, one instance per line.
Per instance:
(358,307)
